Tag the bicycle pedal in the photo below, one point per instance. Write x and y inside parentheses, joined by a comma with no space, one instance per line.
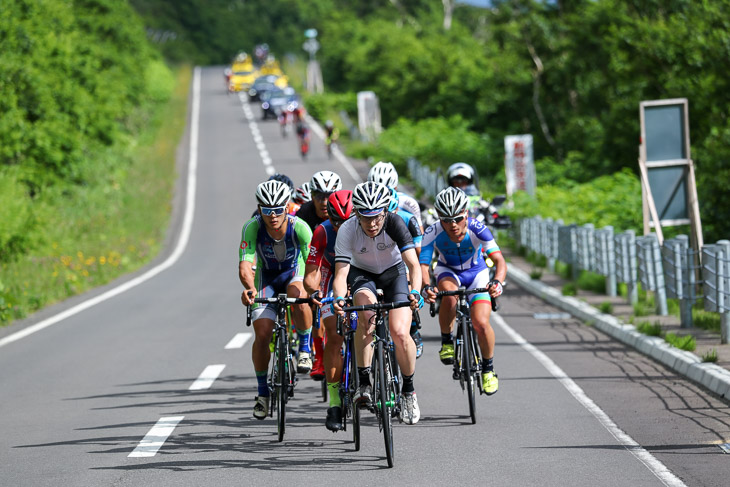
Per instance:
(456,375)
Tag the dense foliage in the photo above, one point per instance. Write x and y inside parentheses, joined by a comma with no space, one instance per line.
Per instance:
(572,73)
(73,78)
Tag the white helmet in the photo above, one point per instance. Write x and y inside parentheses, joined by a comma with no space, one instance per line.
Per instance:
(303,194)
(451,202)
(460,169)
(370,198)
(325,182)
(384,173)
(273,194)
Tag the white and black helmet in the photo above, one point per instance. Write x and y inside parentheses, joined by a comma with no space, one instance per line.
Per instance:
(370,198)
(325,182)
(384,173)
(451,202)
(273,194)
(460,169)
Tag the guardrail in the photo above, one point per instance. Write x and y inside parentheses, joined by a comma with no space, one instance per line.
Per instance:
(671,270)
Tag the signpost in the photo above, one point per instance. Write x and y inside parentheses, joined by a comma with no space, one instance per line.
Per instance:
(314,73)
(668,189)
(368,115)
(519,164)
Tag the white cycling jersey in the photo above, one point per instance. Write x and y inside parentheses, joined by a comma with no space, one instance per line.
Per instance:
(374,255)
(409,203)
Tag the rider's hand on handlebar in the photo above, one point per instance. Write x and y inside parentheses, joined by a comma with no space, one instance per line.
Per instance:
(495,288)
(416,300)
(316,298)
(429,293)
(337,306)
(247,297)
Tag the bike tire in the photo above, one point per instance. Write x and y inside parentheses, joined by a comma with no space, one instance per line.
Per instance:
(383,403)
(323,386)
(468,369)
(282,384)
(354,385)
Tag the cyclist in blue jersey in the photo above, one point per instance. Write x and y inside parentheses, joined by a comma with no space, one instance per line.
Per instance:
(460,241)
(279,243)
(385,173)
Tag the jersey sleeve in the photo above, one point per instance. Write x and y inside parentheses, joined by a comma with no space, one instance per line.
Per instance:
(343,244)
(318,247)
(483,236)
(304,236)
(428,244)
(247,249)
(410,204)
(415,230)
(397,230)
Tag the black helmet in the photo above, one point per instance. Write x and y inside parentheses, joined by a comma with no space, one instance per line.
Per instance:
(284,179)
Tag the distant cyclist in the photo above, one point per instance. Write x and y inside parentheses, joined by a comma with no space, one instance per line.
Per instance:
(385,173)
(280,245)
(372,252)
(460,241)
(318,275)
(332,135)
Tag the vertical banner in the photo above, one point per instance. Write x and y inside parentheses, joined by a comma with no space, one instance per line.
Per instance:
(519,164)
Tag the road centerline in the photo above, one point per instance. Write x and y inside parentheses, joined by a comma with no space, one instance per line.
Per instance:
(207,377)
(238,341)
(156,437)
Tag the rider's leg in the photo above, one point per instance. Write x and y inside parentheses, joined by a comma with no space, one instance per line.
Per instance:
(260,353)
(447,310)
(405,349)
(301,314)
(364,332)
(333,359)
(481,310)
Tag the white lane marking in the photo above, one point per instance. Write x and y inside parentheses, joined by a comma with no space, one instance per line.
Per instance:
(179,248)
(156,437)
(336,150)
(257,138)
(238,341)
(207,377)
(655,466)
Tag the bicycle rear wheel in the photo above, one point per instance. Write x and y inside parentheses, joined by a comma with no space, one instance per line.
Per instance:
(384,402)
(354,385)
(468,368)
(282,383)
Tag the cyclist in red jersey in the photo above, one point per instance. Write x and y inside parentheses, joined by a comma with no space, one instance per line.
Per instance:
(318,273)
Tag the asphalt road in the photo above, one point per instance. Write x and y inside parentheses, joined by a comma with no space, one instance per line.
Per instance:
(77,398)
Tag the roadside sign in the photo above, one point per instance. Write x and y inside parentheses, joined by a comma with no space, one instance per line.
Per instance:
(519,164)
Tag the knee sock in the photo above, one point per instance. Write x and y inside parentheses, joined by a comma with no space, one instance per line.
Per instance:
(304,340)
(408,383)
(262,385)
(334,391)
(364,373)
(446,338)
(488,365)
(318,347)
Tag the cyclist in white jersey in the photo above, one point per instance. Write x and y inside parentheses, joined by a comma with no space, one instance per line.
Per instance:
(372,252)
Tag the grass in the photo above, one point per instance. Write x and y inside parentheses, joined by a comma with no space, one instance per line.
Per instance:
(649,329)
(710,356)
(95,233)
(590,281)
(570,289)
(606,307)
(706,320)
(536,274)
(686,342)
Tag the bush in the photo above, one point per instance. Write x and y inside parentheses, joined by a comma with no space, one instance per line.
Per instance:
(570,289)
(710,356)
(650,329)
(686,342)
(324,106)
(606,307)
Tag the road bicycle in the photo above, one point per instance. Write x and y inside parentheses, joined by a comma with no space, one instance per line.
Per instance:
(282,377)
(386,384)
(467,355)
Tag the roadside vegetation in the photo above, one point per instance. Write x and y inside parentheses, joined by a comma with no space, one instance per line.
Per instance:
(90,120)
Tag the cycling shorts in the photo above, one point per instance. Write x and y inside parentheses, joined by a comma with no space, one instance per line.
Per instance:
(473,278)
(392,281)
(268,285)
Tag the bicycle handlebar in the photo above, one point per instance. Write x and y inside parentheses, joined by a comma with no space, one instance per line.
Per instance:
(281,298)
(463,291)
(377,306)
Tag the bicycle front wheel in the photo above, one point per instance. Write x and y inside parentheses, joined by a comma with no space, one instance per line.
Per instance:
(354,385)
(282,383)
(384,402)
(468,368)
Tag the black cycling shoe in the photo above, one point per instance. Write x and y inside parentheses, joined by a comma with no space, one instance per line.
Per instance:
(334,419)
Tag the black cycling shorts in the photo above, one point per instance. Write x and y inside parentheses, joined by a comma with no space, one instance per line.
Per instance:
(393,281)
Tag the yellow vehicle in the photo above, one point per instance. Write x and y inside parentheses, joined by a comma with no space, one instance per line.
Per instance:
(242,80)
(282,82)
(271,66)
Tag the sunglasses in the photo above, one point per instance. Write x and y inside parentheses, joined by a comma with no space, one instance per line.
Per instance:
(456,219)
(370,219)
(276,211)
(320,196)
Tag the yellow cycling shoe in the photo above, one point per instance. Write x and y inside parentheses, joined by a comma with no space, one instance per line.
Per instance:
(490,383)
(446,354)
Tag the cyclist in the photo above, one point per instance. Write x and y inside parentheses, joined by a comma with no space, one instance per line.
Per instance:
(385,173)
(331,135)
(318,275)
(460,241)
(303,194)
(314,212)
(280,245)
(415,230)
(372,252)
(463,176)
(291,207)
(322,184)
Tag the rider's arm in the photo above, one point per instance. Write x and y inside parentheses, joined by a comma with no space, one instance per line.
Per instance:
(247,254)
(312,277)
(304,237)
(312,274)
(414,269)
(485,237)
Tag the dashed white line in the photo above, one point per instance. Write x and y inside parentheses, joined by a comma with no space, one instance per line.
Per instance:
(257,138)
(655,466)
(207,377)
(156,437)
(238,341)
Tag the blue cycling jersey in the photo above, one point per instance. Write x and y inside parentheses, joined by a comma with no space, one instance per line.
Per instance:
(458,256)
(414,227)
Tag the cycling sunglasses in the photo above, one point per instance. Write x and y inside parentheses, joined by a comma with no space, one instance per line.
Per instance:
(456,219)
(320,195)
(276,211)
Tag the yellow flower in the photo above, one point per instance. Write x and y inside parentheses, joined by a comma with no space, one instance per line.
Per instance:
(85,273)
(66,260)
(102,260)
(90,261)
(80,255)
